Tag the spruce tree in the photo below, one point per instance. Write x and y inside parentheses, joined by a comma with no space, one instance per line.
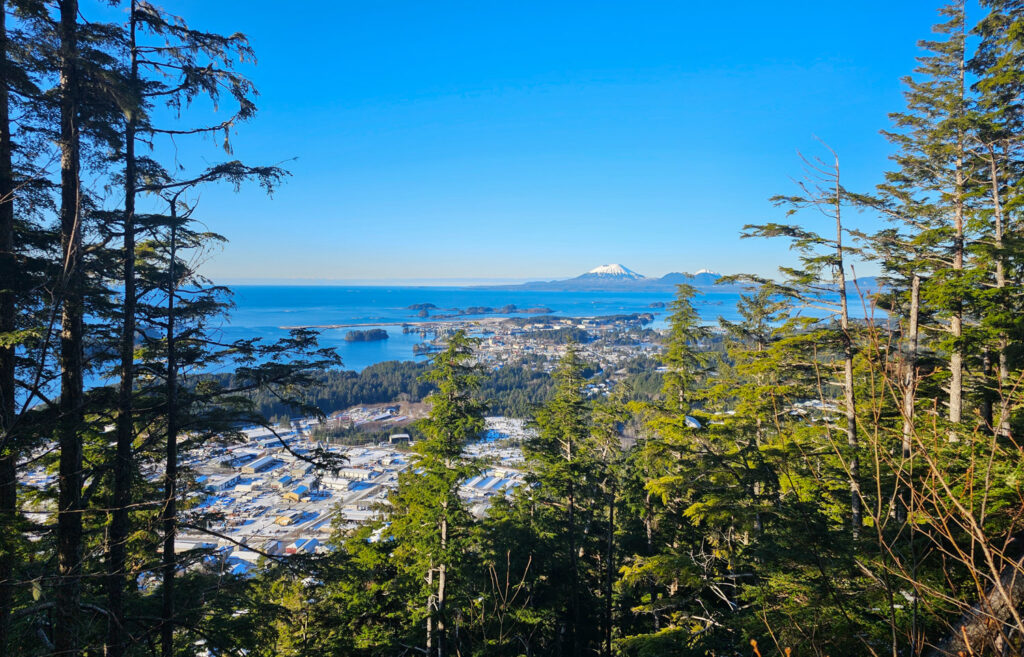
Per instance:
(69,518)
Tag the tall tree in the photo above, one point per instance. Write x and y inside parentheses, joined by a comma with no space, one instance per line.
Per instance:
(122,468)
(822,276)
(997,121)
(8,325)
(170,63)
(430,522)
(565,502)
(69,518)
(930,190)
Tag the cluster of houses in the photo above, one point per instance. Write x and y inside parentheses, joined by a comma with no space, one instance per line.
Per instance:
(267,499)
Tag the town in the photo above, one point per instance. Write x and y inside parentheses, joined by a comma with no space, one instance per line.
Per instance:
(265,497)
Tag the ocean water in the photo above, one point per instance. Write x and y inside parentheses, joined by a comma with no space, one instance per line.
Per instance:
(267,311)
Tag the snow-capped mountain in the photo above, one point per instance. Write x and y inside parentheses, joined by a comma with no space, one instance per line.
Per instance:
(613,271)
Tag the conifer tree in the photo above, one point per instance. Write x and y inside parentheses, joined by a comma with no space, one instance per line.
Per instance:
(20,268)
(609,419)
(997,119)
(930,190)
(565,501)
(822,274)
(430,522)
(170,63)
(69,518)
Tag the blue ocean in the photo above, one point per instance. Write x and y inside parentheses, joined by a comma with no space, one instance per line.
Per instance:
(267,311)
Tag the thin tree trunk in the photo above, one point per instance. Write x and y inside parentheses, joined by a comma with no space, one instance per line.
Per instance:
(649,531)
(956,358)
(848,392)
(609,571)
(985,398)
(430,610)
(8,274)
(118,535)
(1002,420)
(171,466)
(442,582)
(69,439)
(574,607)
(909,393)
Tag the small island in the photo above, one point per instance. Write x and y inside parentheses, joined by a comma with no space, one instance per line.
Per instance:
(372,335)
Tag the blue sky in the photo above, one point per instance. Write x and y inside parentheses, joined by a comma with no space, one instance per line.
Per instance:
(448,140)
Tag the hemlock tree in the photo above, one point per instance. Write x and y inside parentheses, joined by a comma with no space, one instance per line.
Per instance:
(171,64)
(997,122)
(930,190)
(25,250)
(429,522)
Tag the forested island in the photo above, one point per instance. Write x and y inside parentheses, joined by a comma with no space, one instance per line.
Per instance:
(792,481)
(369,335)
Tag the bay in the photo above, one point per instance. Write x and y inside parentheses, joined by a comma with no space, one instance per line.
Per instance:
(267,311)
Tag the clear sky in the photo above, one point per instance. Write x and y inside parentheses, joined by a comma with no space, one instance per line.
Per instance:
(540,139)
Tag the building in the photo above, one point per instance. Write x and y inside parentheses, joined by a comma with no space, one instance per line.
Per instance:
(261,465)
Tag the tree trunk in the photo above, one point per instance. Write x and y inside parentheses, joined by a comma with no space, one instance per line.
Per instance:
(956,358)
(985,623)
(1002,419)
(574,606)
(909,393)
(69,439)
(430,611)
(118,535)
(649,532)
(8,274)
(171,466)
(985,396)
(609,578)
(442,582)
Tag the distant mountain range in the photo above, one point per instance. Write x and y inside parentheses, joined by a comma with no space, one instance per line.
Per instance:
(615,277)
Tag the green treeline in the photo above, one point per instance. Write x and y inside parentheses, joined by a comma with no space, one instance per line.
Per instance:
(516,390)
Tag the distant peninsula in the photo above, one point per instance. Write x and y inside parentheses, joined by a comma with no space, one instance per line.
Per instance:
(371,335)
(510,309)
